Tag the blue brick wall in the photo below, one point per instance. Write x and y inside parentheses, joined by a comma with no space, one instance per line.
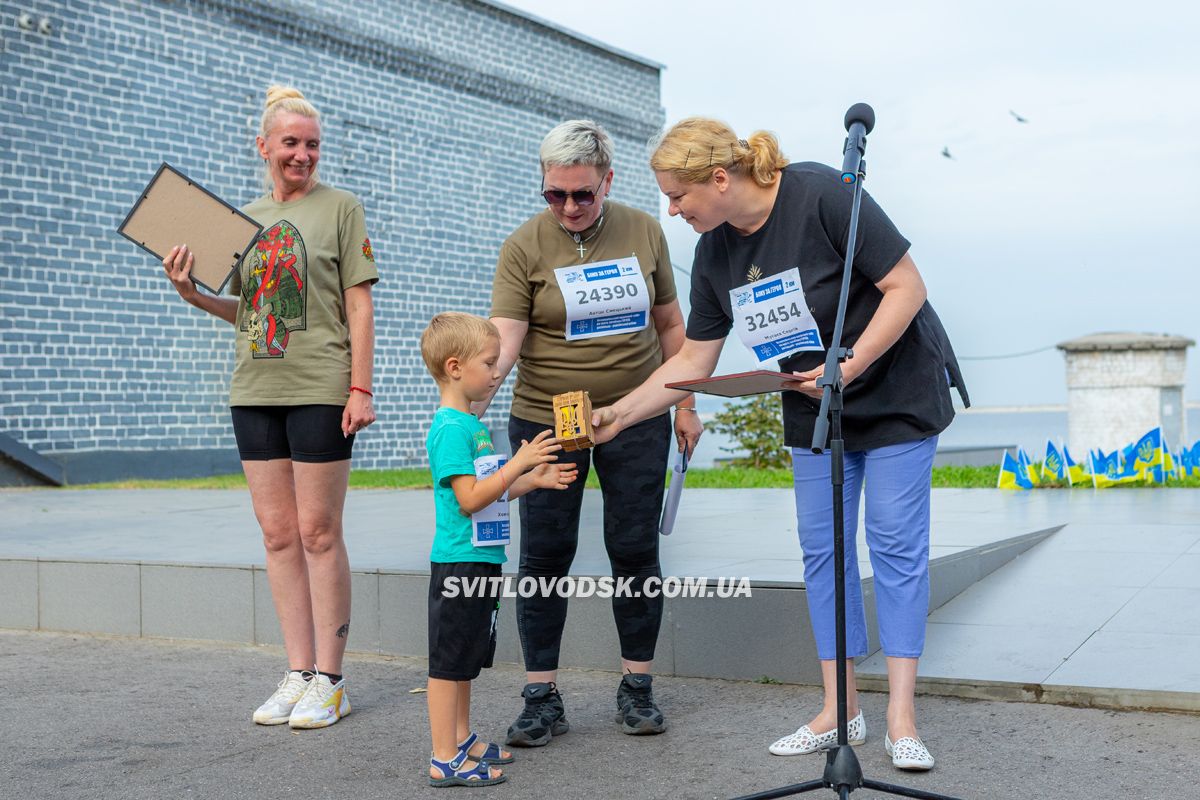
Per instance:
(433,111)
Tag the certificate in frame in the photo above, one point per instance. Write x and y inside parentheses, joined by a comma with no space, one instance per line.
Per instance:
(174,209)
(741,384)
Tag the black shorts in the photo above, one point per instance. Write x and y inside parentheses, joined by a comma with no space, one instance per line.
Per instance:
(311,434)
(462,629)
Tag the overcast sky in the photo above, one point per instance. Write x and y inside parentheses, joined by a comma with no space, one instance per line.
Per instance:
(1084,219)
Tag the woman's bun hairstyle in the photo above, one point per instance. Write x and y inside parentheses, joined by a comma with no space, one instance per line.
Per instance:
(694,147)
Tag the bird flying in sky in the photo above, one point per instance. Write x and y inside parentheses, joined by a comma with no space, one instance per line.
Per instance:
(946,153)
(1017,116)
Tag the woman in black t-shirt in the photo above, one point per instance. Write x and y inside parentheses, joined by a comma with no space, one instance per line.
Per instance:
(769,265)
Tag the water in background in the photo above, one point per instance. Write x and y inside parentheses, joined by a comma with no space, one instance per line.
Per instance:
(986,427)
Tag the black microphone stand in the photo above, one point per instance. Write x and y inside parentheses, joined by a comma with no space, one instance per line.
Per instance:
(843,773)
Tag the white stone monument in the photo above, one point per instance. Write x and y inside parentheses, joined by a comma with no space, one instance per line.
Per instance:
(1120,385)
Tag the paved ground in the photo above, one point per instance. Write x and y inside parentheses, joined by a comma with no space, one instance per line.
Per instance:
(719,532)
(125,718)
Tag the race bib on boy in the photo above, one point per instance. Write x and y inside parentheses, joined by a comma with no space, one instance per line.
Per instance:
(489,526)
(772,319)
(604,298)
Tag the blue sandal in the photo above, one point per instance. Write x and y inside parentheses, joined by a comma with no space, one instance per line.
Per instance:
(491,754)
(454,775)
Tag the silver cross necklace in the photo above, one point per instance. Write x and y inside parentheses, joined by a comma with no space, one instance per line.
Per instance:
(579,239)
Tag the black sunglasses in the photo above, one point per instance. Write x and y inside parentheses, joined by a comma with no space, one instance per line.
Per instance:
(583,197)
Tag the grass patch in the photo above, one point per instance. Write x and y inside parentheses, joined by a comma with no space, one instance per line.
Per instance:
(359,479)
(966,477)
(235,481)
(715,478)
(416,478)
(725,478)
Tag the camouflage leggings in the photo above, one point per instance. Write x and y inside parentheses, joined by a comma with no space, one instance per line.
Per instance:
(631,469)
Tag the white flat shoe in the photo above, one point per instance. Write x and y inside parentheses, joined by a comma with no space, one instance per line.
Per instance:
(908,753)
(805,741)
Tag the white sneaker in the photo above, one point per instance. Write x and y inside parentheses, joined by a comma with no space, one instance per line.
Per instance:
(322,704)
(278,708)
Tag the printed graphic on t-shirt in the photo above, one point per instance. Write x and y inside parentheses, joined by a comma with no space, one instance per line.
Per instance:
(368,253)
(483,442)
(274,290)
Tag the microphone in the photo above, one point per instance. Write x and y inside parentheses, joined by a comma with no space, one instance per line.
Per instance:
(860,119)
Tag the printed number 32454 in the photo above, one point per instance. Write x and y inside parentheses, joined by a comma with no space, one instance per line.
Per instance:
(773,317)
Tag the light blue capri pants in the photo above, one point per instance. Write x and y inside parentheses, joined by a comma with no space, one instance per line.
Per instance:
(897,479)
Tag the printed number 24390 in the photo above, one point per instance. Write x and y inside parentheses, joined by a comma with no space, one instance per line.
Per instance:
(603,294)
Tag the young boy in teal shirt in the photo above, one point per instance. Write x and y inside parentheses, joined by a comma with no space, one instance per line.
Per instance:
(461,352)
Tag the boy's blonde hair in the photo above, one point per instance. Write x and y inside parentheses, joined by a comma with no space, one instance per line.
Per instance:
(453,334)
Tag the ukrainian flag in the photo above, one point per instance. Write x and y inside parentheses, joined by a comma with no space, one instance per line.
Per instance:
(1148,456)
(1026,463)
(1053,467)
(1013,474)
(1106,470)
(1192,469)
(1128,462)
(1168,465)
(1075,472)
(1189,461)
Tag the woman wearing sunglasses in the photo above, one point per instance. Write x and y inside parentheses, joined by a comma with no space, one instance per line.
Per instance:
(584,299)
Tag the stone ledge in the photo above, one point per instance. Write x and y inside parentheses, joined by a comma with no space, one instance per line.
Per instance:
(1125,341)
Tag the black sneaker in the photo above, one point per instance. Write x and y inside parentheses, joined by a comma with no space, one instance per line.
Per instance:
(636,710)
(542,717)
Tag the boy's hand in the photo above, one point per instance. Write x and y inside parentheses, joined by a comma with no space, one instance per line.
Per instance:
(532,454)
(554,476)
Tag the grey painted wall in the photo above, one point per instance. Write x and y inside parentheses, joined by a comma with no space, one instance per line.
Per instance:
(433,110)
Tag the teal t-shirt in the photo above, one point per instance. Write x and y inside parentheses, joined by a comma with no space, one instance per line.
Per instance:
(455,440)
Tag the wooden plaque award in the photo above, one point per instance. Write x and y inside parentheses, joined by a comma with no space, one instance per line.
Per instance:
(573,420)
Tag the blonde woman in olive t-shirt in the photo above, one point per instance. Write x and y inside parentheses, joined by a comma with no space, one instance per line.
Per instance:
(534,307)
(301,389)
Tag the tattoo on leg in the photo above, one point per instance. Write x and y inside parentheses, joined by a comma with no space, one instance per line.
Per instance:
(342,631)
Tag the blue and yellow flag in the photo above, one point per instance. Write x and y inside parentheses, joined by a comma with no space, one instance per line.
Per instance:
(1148,456)
(1170,464)
(1106,470)
(1053,467)
(1190,466)
(1075,472)
(1013,474)
(1189,463)
(1031,473)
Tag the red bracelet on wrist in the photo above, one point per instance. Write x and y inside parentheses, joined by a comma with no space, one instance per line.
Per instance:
(367,392)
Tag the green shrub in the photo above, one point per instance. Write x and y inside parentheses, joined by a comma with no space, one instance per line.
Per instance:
(757,426)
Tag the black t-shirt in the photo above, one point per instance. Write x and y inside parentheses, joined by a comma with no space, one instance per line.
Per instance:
(904,396)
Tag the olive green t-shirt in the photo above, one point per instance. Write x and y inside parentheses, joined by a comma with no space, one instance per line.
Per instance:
(525,289)
(293,341)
